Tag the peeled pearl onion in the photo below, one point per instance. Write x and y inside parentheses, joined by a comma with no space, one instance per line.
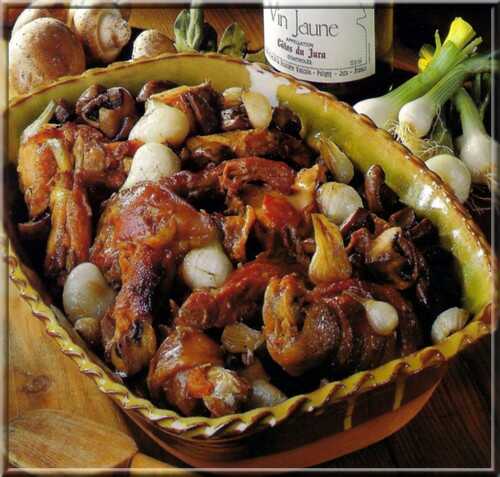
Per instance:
(86,293)
(447,322)
(206,267)
(338,201)
(152,162)
(161,124)
(382,316)
(258,108)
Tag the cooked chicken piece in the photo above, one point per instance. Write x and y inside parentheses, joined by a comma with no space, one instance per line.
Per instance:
(188,370)
(329,325)
(297,340)
(284,219)
(56,166)
(232,176)
(199,103)
(141,230)
(88,153)
(236,230)
(71,229)
(239,299)
(253,142)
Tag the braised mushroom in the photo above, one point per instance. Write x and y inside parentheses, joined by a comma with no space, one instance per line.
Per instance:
(379,197)
(109,110)
(152,87)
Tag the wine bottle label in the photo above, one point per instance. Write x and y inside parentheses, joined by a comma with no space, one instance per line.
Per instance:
(321,45)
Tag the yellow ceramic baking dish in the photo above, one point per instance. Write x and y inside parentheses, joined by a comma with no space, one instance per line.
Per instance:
(340,416)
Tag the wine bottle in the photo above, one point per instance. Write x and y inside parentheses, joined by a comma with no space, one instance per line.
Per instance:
(346,49)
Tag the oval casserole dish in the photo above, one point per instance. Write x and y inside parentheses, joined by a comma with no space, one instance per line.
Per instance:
(332,412)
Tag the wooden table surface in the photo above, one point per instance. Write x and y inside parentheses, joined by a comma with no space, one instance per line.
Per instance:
(452,431)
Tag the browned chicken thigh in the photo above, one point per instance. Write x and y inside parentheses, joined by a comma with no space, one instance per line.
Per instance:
(56,166)
(142,230)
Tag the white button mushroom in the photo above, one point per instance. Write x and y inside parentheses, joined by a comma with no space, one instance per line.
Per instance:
(151,43)
(103,31)
(42,51)
(86,293)
(452,171)
(161,124)
(258,108)
(152,162)
(447,322)
(206,267)
(338,201)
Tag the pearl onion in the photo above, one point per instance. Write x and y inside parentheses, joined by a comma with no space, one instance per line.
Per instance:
(206,267)
(338,201)
(258,108)
(86,293)
(447,322)
(161,123)
(382,316)
(152,162)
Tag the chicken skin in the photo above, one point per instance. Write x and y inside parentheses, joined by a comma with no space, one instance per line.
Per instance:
(56,167)
(142,230)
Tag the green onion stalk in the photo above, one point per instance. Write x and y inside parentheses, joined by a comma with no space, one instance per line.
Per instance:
(459,44)
(416,117)
(476,147)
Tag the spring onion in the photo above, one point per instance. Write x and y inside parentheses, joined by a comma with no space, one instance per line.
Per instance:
(453,172)
(459,44)
(476,148)
(417,116)
(441,136)
(425,55)
(440,140)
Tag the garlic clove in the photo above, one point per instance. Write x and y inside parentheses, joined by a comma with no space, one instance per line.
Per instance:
(448,322)
(86,293)
(330,261)
(258,108)
(240,338)
(337,162)
(206,267)
(383,243)
(338,201)
(265,394)
(232,96)
(152,162)
(161,124)
(44,118)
